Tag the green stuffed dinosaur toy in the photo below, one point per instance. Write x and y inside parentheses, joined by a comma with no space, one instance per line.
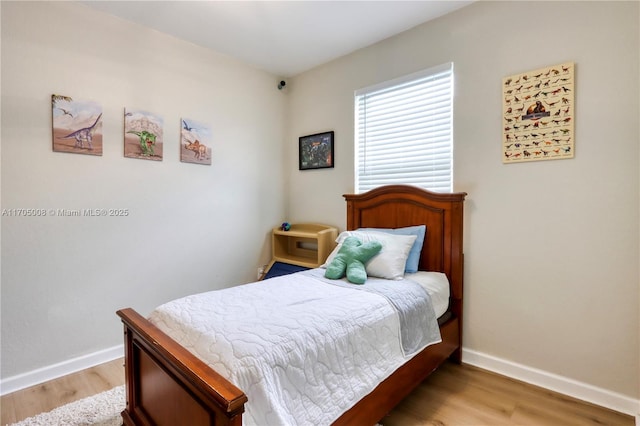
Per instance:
(350,260)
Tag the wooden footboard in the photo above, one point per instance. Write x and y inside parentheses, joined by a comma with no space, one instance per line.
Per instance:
(167,385)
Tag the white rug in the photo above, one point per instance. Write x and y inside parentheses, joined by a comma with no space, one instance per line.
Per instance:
(102,409)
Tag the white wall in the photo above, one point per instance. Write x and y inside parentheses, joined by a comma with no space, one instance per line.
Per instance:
(191,228)
(551,248)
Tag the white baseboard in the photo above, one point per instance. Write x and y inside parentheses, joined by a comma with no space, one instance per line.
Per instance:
(41,375)
(554,382)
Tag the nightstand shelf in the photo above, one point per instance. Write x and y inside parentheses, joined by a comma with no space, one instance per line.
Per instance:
(306,245)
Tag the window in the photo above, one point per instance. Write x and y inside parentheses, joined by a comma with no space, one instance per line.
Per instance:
(404,131)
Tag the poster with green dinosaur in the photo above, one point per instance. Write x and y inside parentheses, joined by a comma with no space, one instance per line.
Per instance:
(77,125)
(142,135)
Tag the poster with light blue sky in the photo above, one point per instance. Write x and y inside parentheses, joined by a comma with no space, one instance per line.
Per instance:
(195,142)
(76,125)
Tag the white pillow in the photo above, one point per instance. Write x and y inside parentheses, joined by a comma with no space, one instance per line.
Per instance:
(391,260)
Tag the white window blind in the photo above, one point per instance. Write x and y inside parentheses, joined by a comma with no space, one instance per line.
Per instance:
(404,131)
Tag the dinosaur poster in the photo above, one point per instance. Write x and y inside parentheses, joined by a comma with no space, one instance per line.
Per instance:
(538,114)
(142,135)
(77,125)
(195,142)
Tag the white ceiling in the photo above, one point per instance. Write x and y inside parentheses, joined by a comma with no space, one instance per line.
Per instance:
(281,37)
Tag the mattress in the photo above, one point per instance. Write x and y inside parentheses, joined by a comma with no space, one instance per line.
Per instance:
(303,351)
(437,285)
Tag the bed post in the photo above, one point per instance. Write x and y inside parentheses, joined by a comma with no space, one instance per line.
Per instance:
(457,268)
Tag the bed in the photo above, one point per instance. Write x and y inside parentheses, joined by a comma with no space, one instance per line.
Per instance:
(167,384)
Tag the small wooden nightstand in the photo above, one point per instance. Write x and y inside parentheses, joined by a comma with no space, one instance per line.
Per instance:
(305,245)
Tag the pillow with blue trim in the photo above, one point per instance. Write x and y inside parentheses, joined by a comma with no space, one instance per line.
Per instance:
(414,255)
(390,262)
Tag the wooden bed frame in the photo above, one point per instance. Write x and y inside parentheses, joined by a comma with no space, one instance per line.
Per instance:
(167,385)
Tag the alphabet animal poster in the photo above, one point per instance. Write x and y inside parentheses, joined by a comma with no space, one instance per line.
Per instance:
(143,135)
(195,142)
(538,114)
(77,125)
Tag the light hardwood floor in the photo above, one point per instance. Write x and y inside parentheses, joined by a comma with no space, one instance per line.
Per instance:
(466,395)
(454,395)
(47,396)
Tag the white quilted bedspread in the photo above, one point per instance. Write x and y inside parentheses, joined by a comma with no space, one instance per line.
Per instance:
(302,350)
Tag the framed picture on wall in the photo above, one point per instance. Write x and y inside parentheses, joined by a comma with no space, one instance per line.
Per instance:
(77,125)
(316,151)
(143,135)
(195,142)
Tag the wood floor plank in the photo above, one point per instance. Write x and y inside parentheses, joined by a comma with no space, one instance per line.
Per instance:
(455,395)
